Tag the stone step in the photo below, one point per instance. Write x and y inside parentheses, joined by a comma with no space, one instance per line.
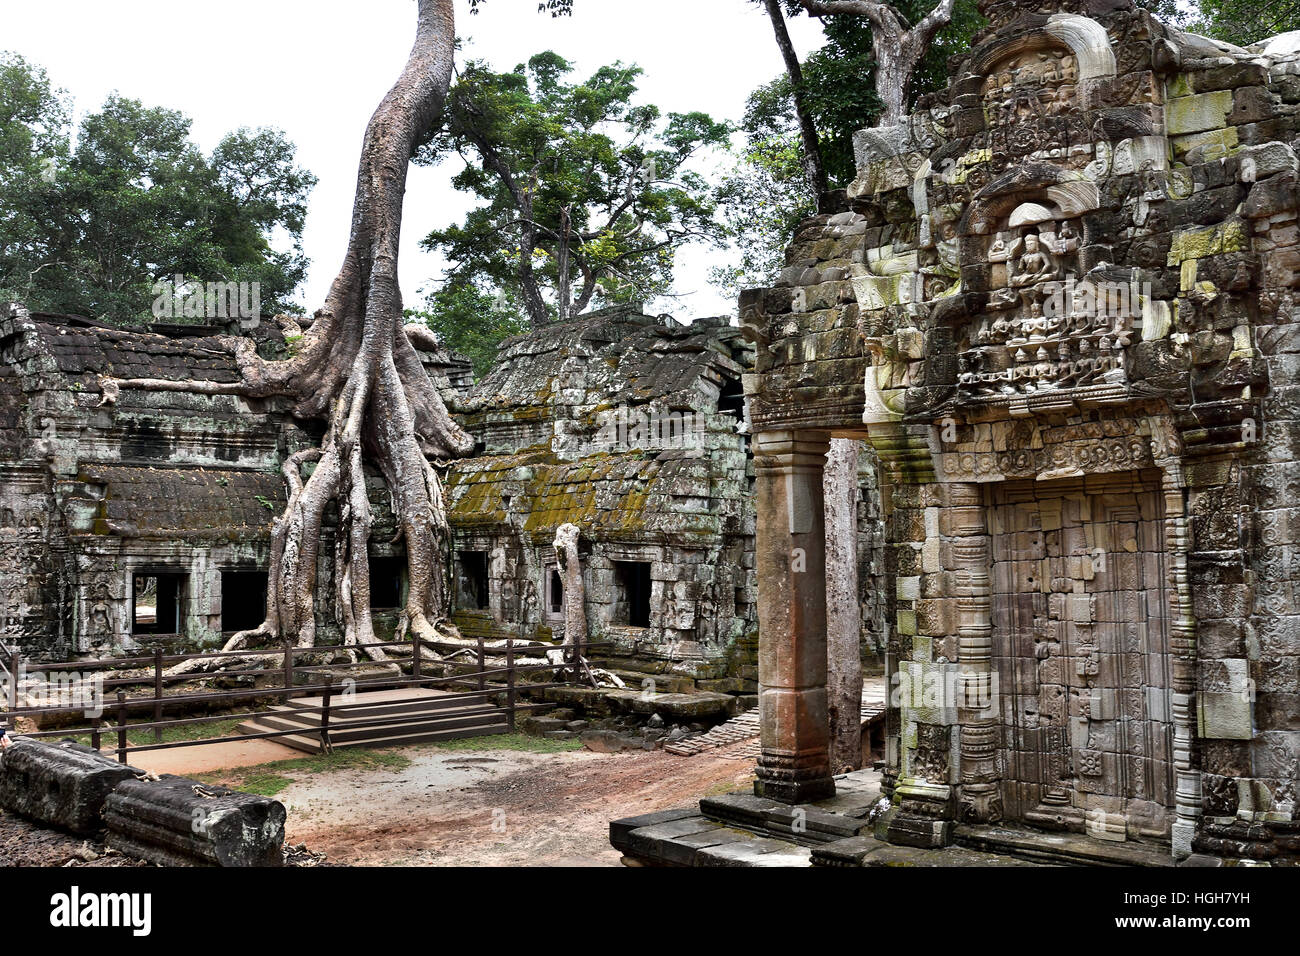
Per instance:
(312,744)
(407,716)
(383,703)
(688,838)
(1062,848)
(341,733)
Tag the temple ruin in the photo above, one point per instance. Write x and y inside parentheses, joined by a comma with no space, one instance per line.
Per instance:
(1057,308)
(1060,303)
(144,520)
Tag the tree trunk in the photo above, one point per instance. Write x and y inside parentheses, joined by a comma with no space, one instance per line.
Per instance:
(359,371)
(814,167)
(575,595)
(897,48)
(843,615)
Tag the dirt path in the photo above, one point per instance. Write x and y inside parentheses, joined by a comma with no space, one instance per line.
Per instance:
(495,807)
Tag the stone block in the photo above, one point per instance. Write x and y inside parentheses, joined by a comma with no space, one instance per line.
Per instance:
(63,785)
(894,826)
(180,822)
(1224,708)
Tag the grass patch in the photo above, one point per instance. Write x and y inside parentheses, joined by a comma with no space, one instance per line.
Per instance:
(264,783)
(523,742)
(268,779)
(217,728)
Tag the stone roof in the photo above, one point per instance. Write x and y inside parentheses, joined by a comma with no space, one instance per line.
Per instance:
(81,348)
(628,496)
(170,502)
(615,355)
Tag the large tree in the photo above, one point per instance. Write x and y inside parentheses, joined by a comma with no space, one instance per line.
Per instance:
(90,228)
(820,103)
(358,369)
(584,195)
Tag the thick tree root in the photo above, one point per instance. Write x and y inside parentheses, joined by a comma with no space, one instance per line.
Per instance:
(358,369)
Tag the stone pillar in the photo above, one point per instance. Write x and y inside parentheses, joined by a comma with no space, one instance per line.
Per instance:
(1167,450)
(794,765)
(977,706)
(1182,647)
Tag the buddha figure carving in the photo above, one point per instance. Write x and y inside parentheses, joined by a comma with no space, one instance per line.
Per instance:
(1035,265)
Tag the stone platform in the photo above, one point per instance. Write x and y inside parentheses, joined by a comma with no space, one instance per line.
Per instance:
(740,829)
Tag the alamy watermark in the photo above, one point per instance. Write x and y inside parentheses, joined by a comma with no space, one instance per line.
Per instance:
(943,688)
(179,298)
(58,690)
(624,428)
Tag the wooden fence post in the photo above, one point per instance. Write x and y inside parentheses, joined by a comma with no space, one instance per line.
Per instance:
(325,745)
(121,725)
(95,740)
(510,682)
(482,664)
(415,655)
(288,671)
(15,666)
(157,693)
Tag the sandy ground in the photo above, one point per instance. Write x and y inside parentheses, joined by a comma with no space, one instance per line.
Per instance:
(212,756)
(495,807)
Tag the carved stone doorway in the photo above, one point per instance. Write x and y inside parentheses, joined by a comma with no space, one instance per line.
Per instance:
(1081,643)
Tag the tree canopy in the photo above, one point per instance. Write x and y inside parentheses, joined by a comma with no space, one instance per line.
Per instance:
(764,194)
(584,195)
(89,223)
(1244,22)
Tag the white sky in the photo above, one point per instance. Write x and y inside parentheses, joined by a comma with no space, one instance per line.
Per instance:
(318,68)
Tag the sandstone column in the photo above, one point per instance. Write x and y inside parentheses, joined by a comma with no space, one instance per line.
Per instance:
(795,762)
(977,705)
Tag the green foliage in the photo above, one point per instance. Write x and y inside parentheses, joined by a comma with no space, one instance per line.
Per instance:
(762,198)
(839,83)
(556,8)
(89,226)
(1244,22)
(764,195)
(470,321)
(585,196)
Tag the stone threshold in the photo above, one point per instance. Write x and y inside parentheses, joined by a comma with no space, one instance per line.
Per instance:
(740,829)
(686,837)
(1065,848)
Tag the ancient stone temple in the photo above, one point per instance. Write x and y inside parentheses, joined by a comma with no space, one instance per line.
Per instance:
(1060,304)
(631,428)
(144,519)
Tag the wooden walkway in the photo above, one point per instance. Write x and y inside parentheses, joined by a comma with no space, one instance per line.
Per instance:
(384,718)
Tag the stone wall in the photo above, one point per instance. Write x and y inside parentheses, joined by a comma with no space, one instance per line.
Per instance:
(580,423)
(93,494)
(1060,302)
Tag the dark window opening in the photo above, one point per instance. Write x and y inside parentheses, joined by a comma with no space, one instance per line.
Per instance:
(473,580)
(156,603)
(386,583)
(243,600)
(555,593)
(732,399)
(632,584)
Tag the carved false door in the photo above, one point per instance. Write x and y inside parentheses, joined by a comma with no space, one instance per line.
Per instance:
(1080,630)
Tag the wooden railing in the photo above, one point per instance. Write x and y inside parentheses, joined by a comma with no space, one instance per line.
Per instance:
(502,680)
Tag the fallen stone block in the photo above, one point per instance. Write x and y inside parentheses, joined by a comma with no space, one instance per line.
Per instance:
(603,741)
(64,785)
(540,726)
(178,822)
